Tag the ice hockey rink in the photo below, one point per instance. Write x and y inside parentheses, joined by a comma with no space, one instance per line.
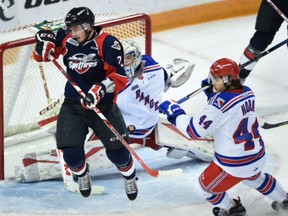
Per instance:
(203,44)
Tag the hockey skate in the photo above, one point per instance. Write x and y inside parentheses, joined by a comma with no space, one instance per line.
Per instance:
(85,183)
(280,206)
(131,188)
(237,210)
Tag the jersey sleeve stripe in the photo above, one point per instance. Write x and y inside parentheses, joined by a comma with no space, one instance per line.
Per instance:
(192,131)
(152,68)
(240,161)
(142,131)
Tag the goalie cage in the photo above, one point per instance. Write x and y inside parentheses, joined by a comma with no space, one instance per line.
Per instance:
(30,89)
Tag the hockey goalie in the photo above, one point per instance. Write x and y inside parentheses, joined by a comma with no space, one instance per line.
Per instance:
(139,104)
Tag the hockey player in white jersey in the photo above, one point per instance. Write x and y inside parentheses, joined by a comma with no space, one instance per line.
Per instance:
(139,102)
(239,149)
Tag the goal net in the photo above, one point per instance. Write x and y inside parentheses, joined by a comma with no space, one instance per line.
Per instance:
(31,91)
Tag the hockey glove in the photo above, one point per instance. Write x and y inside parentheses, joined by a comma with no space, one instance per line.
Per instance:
(207,82)
(178,73)
(93,96)
(171,109)
(45,45)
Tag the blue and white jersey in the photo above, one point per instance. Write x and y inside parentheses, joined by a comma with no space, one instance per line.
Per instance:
(139,102)
(230,117)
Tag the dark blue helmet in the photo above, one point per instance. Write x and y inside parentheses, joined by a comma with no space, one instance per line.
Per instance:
(79,16)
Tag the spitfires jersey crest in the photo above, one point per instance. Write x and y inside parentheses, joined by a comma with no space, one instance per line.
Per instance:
(81,62)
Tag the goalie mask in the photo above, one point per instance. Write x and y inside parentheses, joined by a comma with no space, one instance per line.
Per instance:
(79,16)
(132,58)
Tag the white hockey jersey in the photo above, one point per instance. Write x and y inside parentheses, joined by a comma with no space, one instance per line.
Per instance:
(230,117)
(139,102)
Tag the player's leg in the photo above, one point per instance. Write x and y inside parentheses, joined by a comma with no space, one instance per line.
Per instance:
(270,187)
(268,22)
(71,134)
(115,150)
(213,184)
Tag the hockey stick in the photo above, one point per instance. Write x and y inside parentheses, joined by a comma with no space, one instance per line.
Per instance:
(192,94)
(277,10)
(264,53)
(44,82)
(152,172)
(269,126)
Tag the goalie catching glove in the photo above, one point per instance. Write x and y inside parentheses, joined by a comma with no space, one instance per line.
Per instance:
(171,109)
(178,73)
(96,93)
(45,45)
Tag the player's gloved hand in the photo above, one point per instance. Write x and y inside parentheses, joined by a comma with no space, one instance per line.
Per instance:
(45,45)
(171,109)
(93,96)
(207,82)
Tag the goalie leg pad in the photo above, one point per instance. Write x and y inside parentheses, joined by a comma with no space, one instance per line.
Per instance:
(38,166)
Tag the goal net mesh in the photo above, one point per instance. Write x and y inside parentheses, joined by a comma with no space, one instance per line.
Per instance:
(33,91)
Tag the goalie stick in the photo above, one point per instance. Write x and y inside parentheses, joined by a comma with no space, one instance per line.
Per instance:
(151,172)
(269,126)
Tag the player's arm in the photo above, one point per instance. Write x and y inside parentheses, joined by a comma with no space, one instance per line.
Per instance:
(193,127)
(114,62)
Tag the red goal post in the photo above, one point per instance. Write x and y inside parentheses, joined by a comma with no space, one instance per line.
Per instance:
(29,89)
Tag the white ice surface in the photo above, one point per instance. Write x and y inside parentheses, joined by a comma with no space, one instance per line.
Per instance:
(202,44)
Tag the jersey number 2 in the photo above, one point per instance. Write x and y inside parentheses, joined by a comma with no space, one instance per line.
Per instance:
(242,135)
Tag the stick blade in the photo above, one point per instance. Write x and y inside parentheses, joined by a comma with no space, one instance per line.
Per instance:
(73,187)
(170,173)
(269,126)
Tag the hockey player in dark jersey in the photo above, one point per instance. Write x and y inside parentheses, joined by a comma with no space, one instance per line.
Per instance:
(268,22)
(94,60)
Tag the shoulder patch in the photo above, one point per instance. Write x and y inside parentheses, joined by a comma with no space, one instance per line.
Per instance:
(219,102)
(116,45)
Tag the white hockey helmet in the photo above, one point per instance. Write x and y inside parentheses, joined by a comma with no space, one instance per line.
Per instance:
(132,58)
